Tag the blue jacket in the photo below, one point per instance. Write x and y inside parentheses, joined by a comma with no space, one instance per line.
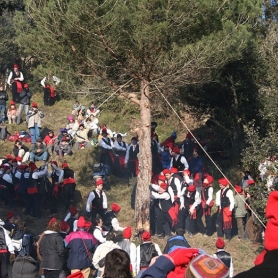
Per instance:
(195,165)
(165,160)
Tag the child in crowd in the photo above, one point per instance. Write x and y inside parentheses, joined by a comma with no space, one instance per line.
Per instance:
(12,113)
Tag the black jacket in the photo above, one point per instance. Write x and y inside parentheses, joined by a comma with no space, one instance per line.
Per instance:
(25,96)
(52,251)
(3,97)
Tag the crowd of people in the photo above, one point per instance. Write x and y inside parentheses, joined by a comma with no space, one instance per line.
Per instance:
(181,192)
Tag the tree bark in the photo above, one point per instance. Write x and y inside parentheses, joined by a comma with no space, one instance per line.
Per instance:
(142,202)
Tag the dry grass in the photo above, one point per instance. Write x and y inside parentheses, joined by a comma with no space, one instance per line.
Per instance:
(120,120)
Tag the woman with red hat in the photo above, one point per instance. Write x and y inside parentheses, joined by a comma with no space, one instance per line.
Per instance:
(12,113)
(15,80)
(225,202)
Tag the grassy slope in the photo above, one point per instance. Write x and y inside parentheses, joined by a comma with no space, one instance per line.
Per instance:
(121,117)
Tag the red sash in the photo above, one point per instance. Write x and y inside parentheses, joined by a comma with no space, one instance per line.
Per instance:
(227,218)
(136,166)
(173,212)
(68,180)
(32,190)
(18,86)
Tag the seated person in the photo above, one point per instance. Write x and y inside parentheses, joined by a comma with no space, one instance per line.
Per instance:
(70,125)
(49,141)
(63,148)
(39,151)
(93,125)
(21,150)
(92,110)
(63,134)
(81,138)
(76,108)
(12,113)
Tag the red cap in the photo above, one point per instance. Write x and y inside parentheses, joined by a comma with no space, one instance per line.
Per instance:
(174,170)
(34,104)
(64,139)
(250,182)
(166,171)
(73,211)
(146,236)
(32,166)
(12,102)
(104,131)
(52,220)
(6,167)
(65,165)
(98,182)
(77,274)
(208,180)
(176,150)
(220,244)
(25,85)
(161,178)
(18,158)
(10,214)
(223,181)
(64,226)
(54,162)
(189,135)
(81,223)
(9,156)
(88,225)
(163,186)
(127,232)
(16,66)
(191,188)
(238,189)
(115,207)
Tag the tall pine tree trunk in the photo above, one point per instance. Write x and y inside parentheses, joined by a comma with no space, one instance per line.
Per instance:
(142,202)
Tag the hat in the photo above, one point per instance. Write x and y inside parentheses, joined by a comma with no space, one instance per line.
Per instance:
(163,186)
(99,182)
(9,157)
(54,162)
(64,139)
(166,171)
(223,181)
(174,170)
(12,102)
(191,188)
(14,160)
(127,232)
(64,226)
(146,236)
(88,225)
(209,180)
(52,220)
(81,223)
(220,244)
(189,135)
(115,207)
(16,66)
(63,130)
(32,166)
(70,117)
(65,165)
(34,104)
(250,182)
(73,211)
(38,140)
(176,150)
(18,158)
(22,166)
(186,172)
(161,178)
(238,189)
(25,85)
(10,214)
(174,134)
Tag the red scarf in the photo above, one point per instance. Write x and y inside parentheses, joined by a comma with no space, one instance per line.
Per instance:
(18,86)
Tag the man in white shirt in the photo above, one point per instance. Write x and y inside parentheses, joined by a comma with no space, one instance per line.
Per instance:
(98,233)
(225,202)
(97,201)
(15,78)
(120,147)
(174,183)
(178,161)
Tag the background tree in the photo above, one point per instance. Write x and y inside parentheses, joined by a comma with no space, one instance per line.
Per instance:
(170,43)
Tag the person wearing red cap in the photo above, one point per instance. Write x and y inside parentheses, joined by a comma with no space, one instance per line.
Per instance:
(145,252)
(3,100)
(71,218)
(187,146)
(34,121)
(20,150)
(120,147)
(81,137)
(190,210)
(240,210)
(110,219)
(97,201)
(170,140)
(178,161)
(207,202)
(12,112)
(49,141)
(81,245)
(24,102)
(129,247)
(49,91)
(164,204)
(15,80)
(225,202)
(174,182)
(131,158)
(224,256)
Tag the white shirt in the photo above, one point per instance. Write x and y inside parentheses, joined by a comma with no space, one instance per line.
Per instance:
(98,234)
(20,77)
(139,257)
(92,197)
(183,161)
(178,186)
(39,174)
(104,145)
(74,228)
(118,147)
(197,198)
(231,273)
(210,195)
(116,226)
(127,152)
(8,178)
(229,194)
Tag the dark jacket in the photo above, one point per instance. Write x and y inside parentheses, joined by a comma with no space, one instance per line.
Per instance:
(25,96)
(175,241)
(16,149)
(3,97)
(52,251)
(25,267)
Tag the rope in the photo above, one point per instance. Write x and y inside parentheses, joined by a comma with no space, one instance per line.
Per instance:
(205,151)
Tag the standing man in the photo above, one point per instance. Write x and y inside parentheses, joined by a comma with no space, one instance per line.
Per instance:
(196,169)
(3,100)
(107,156)
(131,158)
(97,201)
(34,121)
(178,161)
(24,98)
(120,148)
(49,91)
(225,202)
(188,146)
(15,78)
